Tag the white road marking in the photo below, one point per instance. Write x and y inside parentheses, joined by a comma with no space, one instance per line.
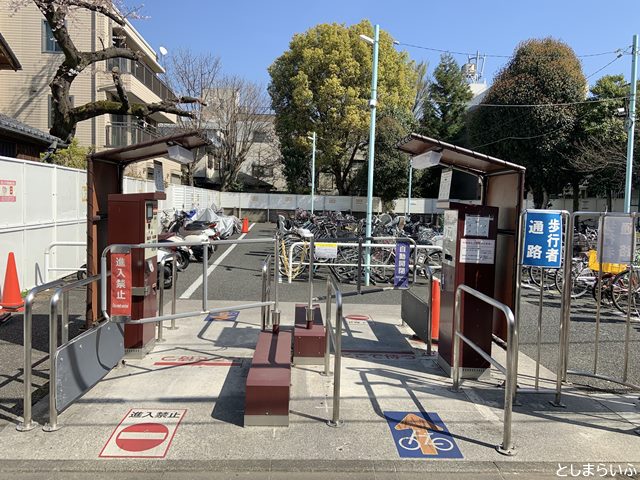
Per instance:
(481,407)
(142,435)
(195,285)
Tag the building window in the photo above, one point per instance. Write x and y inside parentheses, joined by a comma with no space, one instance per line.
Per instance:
(50,108)
(261,171)
(259,136)
(49,43)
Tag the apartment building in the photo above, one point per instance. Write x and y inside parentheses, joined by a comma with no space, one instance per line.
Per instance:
(25,94)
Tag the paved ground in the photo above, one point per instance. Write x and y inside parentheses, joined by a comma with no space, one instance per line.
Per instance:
(590,430)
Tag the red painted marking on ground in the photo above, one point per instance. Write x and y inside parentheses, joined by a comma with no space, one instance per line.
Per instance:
(378,351)
(141,437)
(200,364)
(358,318)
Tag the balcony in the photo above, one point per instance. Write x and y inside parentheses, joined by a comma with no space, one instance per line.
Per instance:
(144,74)
(124,134)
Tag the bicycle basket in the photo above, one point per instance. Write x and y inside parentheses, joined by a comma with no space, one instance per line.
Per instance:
(606,267)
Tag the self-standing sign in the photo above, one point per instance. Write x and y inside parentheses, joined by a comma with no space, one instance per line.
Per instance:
(121,284)
(542,239)
(401,273)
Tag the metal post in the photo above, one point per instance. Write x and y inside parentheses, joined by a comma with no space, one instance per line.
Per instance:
(631,122)
(565,309)
(27,420)
(205,280)
(311,261)
(599,302)
(519,257)
(507,447)
(313,170)
(359,281)
(539,340)
(174,293)
(328,327)
(372,143)
(455,368)
(336,422)
(160,337)
(632,286)
(409,191)
(65,317)
(275,315)
(52,425)
(265,275)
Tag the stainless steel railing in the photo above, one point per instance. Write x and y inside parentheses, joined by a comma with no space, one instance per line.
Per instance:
(266,290)
(510,372)
(61,292)
(336,339)
(205,261)
(174,281)
(47,258)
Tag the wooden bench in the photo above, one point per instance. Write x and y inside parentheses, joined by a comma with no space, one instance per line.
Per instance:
(309,344)
(269,381)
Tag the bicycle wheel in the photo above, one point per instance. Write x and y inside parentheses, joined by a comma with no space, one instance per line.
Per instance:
(409,443)
(582,277)
(442,444)
(622,284)
(346,274)
(536,276)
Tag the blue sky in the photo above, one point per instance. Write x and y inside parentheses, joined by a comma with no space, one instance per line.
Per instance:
(249,35)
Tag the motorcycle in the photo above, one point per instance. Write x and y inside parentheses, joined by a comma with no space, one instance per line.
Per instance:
(168,268)
(195,231)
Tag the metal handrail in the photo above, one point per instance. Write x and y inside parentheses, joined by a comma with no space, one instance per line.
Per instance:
(266,289)
(511,371)
(336,338)
(205,262)
(174,279)
(415,247)
(27,415)
(52,425)
(47,253)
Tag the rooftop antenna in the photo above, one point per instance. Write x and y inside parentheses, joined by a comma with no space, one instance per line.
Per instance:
(473,70)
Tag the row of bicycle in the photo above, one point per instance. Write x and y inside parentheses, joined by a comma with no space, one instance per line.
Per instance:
(614,284)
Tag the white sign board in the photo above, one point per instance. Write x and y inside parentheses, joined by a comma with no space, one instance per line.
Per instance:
(476,226)
(143,433)
(326,251)
(477,251)
(617,239)
(158,176)
(445,184)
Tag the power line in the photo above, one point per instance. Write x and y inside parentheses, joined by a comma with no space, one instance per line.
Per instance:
(618,56)
(490,55)
(531,105)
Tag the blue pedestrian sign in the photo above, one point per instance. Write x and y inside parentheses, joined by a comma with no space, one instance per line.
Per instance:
(421,435)
(401,273)
(542,240)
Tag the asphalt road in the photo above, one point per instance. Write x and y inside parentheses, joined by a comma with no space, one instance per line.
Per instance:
(237,276)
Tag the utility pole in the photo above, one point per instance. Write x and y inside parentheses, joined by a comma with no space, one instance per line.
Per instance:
(631,123)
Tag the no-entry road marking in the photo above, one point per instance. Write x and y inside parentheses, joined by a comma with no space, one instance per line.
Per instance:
(143,433)
(196,284)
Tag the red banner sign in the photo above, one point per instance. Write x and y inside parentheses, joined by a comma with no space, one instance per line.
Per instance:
(121,284)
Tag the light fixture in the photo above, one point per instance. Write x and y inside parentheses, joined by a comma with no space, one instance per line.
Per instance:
(426,160)
(367,39)
(179,154)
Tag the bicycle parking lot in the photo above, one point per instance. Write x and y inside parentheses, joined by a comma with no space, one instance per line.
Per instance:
(202,366)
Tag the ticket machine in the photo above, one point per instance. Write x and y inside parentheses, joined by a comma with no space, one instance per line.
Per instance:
(469,251)
(133,218)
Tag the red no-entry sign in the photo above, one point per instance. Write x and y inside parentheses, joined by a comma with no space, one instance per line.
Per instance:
(144,436)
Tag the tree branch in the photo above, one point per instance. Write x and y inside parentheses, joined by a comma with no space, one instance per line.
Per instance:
(141,110)
(96,7)
(122,93)
(107,53)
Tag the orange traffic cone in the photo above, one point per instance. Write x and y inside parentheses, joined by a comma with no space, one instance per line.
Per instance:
(11,297)
(245,225)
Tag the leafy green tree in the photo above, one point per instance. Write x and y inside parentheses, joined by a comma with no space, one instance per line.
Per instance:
(541,72)
(443,115)
(390,174)
(322,83)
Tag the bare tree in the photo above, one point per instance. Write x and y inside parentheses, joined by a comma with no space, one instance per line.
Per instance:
(65,115)
(239,111)
(603,163)
(190,74)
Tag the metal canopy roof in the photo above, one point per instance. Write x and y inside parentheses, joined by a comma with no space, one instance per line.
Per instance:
(158,147)
(455,156)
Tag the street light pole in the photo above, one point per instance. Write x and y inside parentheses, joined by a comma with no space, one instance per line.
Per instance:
(313,170)
(409,196)
(631,123)
(372,141)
